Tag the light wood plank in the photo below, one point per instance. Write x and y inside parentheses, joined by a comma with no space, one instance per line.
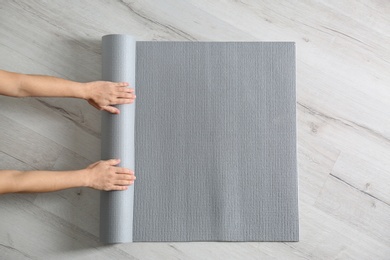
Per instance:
(35,233)
(26,146)
(41,119)
(366,175)
(359,210)
(326,237)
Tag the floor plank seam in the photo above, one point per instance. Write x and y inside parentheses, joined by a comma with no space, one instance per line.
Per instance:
(309,256)
(33,168)
(51,139)
(70,116)
(364,192)
(17,250)
(344,122)
(346,35)
(169,27)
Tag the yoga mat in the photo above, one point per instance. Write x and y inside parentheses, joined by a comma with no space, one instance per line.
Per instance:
(116,207)
(215,143)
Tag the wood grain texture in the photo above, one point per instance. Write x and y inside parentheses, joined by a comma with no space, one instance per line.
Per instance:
(343,75)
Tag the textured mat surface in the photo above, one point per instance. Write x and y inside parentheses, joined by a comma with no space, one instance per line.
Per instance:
(215,142)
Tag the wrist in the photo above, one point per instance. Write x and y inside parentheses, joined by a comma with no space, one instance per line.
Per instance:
(84,90)
(85,178)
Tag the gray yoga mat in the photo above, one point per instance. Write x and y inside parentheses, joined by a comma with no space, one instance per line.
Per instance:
(116,207)
(215,143)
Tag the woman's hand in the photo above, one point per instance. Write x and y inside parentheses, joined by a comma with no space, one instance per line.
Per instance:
(103,94)
(104,175)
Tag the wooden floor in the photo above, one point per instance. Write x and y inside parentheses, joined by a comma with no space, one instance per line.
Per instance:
(343,85)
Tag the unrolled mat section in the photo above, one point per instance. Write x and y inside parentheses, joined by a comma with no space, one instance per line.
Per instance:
(116,207)
(215,142)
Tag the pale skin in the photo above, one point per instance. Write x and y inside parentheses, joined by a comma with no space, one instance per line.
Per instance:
(101,175)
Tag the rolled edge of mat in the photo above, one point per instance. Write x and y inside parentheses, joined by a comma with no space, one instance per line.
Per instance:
(117,139)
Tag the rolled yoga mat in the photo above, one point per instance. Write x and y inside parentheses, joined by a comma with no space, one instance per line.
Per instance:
(215,143)
(116,207)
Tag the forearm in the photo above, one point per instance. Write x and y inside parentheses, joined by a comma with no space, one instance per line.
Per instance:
(47,86)
(103,95)
(24,85)
(41,181)
(101,175)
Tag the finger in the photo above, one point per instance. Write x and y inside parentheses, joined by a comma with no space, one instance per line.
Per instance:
(124,173)
(124,101)
(124,183)
(122,170)
(113,162)
(126,95)
(111,109)
(127,90)
(119,187)
(122,84)
(126,177)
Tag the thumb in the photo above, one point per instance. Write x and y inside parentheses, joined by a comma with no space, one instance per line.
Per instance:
(92,165)
(111,109)
(92,103)
(113,162)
